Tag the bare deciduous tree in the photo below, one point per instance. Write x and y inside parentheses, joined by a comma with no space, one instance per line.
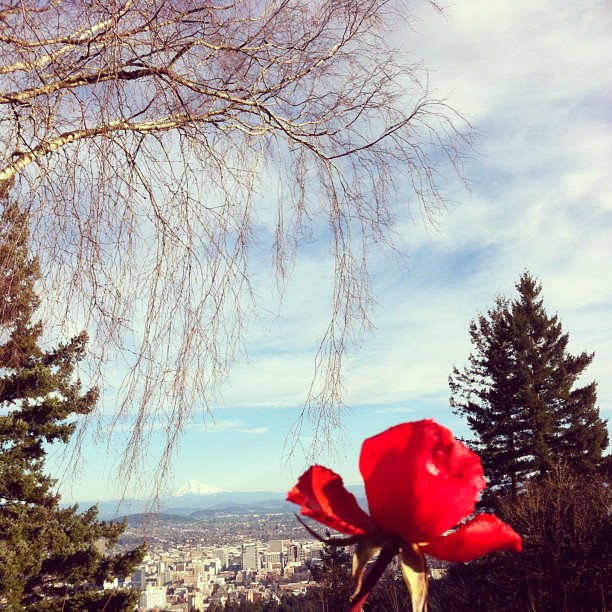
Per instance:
(139,135)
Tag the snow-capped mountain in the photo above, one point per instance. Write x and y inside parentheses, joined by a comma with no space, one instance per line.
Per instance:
(193,487)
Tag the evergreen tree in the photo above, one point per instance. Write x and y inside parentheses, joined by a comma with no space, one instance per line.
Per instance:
(334,576)
(50,557)
(566,563)
(519,394)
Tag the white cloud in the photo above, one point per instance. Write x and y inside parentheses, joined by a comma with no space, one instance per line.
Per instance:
(218,426)
(531,77)
(396,410)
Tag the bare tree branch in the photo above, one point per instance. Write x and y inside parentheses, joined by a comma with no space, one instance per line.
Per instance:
(138,133)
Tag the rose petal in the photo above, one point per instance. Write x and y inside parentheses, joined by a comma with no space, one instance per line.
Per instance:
(419,480)
(322,496)
(480,536)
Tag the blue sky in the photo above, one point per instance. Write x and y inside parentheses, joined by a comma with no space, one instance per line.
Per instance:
(534,80)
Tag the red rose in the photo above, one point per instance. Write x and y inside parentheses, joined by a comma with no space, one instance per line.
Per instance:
(420,483)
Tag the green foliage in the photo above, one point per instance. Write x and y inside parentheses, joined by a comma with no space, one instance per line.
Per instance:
(519,394)
(49,556)
(333,574)
(567,559)
(541,439)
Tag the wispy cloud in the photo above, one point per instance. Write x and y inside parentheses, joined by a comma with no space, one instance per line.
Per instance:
(532,77)
(396,410)
(227,426)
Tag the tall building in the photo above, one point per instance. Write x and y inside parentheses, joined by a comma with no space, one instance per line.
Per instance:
(167,577)
(250,557)
(277,546)
(139,578)
(297,554)
(152,598)
(214,566)
(198,567)
(312,551)
(221,554)
(272,559)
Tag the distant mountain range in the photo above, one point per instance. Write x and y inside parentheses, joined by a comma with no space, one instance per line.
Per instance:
(195,497)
